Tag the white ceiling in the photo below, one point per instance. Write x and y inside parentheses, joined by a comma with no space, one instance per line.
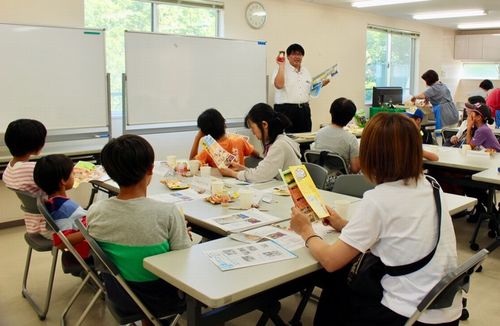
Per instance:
(405,11)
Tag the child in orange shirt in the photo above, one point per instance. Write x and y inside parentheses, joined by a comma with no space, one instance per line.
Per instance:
(212,123)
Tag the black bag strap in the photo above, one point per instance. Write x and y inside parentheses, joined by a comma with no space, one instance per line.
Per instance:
(415,266)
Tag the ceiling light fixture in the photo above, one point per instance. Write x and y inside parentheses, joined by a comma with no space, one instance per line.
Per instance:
(374,3)
(481,25)
(450,14)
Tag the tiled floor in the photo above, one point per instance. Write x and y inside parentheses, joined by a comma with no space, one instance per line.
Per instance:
(483,299)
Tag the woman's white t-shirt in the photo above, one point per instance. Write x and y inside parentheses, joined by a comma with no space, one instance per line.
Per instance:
(398,223)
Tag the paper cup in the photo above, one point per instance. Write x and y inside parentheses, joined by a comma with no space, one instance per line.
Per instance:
(172,161)
(205,171)
(217,187)
(341,206)
(194,166)
(246,197)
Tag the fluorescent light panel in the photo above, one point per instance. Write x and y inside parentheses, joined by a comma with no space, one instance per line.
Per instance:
(374,3)
(450,14)
(481,25)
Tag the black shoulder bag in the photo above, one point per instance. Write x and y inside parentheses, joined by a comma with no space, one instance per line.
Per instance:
(367,270)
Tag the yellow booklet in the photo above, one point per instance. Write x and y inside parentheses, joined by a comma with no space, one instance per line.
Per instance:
(303,191)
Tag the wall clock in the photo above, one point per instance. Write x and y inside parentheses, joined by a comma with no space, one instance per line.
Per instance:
(255,15)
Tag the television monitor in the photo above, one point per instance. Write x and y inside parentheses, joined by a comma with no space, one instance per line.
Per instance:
(392,95)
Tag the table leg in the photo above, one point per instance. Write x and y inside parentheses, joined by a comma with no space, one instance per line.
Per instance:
(193,311)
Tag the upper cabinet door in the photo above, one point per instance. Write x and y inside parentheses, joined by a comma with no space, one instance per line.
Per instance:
(461,46)
(491,47)
(475,49)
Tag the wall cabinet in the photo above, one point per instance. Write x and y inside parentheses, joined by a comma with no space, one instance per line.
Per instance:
(483,47)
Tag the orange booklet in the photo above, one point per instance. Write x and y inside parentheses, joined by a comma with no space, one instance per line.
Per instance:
(304,193)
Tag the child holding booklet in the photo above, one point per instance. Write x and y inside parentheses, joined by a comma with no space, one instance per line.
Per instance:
(211,122)
(279,151)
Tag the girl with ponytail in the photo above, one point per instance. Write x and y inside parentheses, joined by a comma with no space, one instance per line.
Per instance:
(279,151)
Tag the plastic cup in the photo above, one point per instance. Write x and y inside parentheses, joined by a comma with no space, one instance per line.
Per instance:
(217,187)
(341,206)
(172,161)
(205,171)
(246,197)
(466,148)
(194,166)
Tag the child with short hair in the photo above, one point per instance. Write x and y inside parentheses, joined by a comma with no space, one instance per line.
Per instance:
(54,175)
(25,138)
(417,118)
(131,227)
(211,122)
(279,150)
(335,139)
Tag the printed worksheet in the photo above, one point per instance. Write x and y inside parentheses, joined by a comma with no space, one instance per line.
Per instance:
(281,235)
(243,220)
(284,237)
(248,255)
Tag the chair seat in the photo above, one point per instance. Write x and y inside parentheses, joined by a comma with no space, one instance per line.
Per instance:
(38,242)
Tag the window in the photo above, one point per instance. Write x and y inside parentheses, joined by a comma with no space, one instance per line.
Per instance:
(187,20)
(390,60)
(200,18)
(481,71)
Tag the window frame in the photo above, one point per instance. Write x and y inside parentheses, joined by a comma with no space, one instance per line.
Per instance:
(479,76)
(413,55)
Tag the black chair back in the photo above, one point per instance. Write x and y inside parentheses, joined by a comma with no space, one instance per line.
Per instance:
(333,162)
(28,201)
(318,174)
(352,185)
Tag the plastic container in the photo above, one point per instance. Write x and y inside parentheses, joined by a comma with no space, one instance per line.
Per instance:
(375,110)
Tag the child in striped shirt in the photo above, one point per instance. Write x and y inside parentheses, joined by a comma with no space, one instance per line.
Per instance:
(24,138)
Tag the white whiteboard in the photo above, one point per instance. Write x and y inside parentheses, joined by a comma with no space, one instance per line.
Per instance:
(54,75)
(172,78)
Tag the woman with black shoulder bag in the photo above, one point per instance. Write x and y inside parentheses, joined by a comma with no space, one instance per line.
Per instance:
(403,229)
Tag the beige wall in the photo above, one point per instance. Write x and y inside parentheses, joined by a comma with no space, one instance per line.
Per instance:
(43,12)
(331,35)
(470,87)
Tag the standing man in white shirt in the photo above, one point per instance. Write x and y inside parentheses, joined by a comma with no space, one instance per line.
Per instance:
(292,83)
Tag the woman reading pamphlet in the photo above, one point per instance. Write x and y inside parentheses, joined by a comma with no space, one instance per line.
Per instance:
(401,221)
